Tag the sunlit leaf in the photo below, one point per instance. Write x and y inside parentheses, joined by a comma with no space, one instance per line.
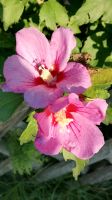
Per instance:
(53,13)
(102,76)
(80,164)
(98,45)
(95,92)
(87,12)
(108,119)
(30,132)
(22,157)
(12,11)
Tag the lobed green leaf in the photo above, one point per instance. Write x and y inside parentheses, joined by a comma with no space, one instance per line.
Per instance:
(80,164)
(53,13)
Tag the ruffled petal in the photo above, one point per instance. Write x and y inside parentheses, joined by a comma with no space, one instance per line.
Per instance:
(94,110)
(19,74)
(89,139)
(41,96)
(75,79)
(32,45)
(62,43)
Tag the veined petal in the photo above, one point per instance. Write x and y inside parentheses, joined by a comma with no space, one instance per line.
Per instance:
(62,43)
(94,110)
(41,96)
(32,45)
(76,78)
(19,74)
(51,136)
(89,137)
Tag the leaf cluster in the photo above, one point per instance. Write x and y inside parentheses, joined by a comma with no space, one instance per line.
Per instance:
(22,157)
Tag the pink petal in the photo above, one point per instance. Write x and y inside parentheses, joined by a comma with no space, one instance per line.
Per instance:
(76,78)
(74,99)
(62,43)
(51,135)
(41,96)
(48,138)
(33,46)
(48,146)
(19,74)
(89,138)
(45,120)
(95,110)
(60,104)
(5,87)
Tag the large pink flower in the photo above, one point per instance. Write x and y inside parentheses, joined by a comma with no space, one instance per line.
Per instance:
(71,124)
(40,69)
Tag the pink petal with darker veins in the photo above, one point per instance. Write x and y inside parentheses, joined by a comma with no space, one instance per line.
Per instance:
(62,43)
(89,137)
(41,96)
(94,110)
(19,74)
(76,78)
(32,45)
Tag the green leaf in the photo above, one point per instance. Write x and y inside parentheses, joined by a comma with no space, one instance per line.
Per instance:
(22,157)
(12,11)
(9,102)
(30,132)
(91,11)
(101,80)
(102,77)
(98,45)
(95,92)
(108,119)
(53,13)
(108,61)
(80,164)
(73,26)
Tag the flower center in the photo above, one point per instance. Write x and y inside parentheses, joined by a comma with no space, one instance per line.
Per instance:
(45,74)
(62,119)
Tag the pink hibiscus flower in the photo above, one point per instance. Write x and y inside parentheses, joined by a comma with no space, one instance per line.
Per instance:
(40,69)
(71,124)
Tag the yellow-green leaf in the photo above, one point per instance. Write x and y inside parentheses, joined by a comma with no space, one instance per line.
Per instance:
(80,164)
(95,92)
(102,76)
(108,119)
(53,13)
(30,132)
